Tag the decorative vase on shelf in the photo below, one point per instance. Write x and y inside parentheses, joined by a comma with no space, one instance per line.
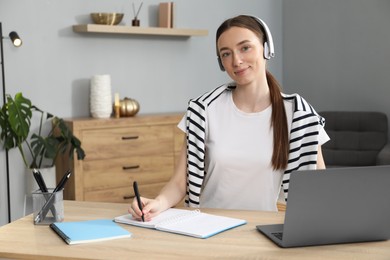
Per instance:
(100,96)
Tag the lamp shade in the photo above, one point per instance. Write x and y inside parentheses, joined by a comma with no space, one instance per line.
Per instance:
(16,41)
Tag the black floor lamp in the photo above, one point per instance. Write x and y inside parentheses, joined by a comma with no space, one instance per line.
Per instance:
(16,41)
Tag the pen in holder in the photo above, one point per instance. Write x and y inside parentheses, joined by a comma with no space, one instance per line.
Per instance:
(48,207)
(53,202)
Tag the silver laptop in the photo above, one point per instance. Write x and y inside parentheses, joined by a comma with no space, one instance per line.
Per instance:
(336,205)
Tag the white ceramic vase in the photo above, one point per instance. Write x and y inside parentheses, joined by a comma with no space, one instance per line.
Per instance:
(100,96)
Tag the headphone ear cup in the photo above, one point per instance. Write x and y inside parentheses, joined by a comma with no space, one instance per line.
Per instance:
(220,64)
(266,51)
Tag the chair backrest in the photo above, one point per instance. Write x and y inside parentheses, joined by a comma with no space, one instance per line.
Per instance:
(356,137)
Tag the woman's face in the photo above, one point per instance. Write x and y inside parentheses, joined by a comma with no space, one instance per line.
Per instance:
(241,53)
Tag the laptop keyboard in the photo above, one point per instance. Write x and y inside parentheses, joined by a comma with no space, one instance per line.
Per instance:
(278,235)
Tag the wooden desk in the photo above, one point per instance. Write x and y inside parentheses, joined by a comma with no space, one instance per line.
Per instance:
(22,239)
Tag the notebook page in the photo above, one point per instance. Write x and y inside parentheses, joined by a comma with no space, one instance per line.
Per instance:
(201,225)
(162,217)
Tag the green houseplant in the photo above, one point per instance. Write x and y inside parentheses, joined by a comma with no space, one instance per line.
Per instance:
(15,121)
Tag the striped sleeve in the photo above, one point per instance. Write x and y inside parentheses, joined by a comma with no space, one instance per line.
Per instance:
(304,139)
(196,135)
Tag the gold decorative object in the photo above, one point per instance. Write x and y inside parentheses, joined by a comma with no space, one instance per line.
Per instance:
(117,106)
(107,18)
(129,107)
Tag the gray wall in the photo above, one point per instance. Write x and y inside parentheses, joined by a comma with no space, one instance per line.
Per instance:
(337,53)
(54,65)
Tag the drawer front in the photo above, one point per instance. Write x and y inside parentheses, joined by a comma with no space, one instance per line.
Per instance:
(122,172)
(123,194)
(129,141)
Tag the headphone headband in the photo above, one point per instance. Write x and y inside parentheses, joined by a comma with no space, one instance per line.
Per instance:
(270,53)
(269,49)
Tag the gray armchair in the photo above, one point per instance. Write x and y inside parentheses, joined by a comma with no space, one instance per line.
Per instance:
(357,139)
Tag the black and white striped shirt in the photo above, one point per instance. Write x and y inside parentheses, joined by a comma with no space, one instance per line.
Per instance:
(304,140)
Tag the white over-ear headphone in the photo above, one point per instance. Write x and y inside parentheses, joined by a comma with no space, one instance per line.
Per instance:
(269,50)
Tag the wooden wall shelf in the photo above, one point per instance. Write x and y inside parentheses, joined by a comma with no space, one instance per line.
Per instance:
(119,29)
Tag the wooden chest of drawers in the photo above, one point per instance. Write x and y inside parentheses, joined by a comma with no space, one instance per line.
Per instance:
(119,151)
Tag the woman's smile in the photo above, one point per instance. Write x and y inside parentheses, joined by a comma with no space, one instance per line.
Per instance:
(241,72)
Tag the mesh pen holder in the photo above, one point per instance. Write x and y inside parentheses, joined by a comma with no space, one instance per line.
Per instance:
(48,207)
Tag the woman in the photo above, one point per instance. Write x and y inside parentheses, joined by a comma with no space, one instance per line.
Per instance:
(243,138)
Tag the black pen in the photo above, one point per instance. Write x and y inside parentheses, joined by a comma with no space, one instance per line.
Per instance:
(63,181)
(39,179)
(43,212)
(135,187)
(42,186)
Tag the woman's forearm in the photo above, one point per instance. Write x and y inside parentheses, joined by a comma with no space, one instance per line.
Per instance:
(174,191)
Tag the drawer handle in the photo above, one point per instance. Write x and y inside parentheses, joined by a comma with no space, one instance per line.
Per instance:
(130,167)
(129,137)
(127,197)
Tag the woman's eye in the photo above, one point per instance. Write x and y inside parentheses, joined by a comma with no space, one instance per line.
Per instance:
(225,54)
(245,48)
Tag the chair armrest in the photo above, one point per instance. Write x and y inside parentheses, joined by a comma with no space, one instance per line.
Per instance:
(383,157)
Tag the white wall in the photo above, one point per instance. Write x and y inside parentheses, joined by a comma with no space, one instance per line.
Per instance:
(54,65)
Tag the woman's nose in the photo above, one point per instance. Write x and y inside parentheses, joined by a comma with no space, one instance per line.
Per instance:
(237,59)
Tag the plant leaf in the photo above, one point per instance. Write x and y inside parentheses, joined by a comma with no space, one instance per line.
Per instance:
(15,120)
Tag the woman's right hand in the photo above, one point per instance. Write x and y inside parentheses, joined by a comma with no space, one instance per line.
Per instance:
(150,208)
(171,194)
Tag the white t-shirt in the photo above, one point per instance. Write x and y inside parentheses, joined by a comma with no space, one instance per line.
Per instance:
(239,146)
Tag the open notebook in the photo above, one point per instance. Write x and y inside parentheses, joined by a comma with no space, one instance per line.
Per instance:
(186,222)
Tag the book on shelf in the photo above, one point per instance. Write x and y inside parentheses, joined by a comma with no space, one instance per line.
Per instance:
(79,232)
(166,15)
(185,222)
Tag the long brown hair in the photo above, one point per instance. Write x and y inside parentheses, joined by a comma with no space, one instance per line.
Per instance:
(279,119)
